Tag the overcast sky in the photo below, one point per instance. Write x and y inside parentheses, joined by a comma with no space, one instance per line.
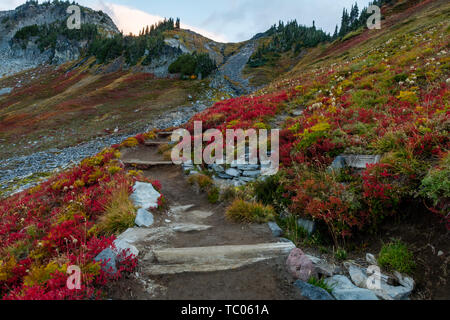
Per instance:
(226,21)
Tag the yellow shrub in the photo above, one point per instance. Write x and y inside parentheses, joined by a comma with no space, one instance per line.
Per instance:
(6,268)
(40,274)
(134,173)
(78,184)
(243,211)
(201,180)
(95,176)
(92,162)
(130,143)
(120,213)
(58,185)
(150,135)
(408,96)
(114,169)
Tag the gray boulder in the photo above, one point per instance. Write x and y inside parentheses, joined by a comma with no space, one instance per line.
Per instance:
(248,167)
(338,164)
(276,230)
(252,174)
(145,196)
(223,176)
(312,292)
(344,289)
(324,268)
(370,258)
(124,249)
(233,172)
(379,285)
(144,218)
(308,225)
(108,259)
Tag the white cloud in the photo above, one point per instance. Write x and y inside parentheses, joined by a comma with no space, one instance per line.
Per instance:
(133,20)
(10,4)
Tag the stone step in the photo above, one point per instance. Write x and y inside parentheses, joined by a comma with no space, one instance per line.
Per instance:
(189,227)
(164,134)
(154,143)
(146,164)
(216,258)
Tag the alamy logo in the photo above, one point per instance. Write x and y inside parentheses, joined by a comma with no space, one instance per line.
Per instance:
(224,151)
(74,280)
(374,21)
(74,20)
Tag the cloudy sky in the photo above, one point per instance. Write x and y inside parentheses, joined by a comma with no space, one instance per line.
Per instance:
(226,21)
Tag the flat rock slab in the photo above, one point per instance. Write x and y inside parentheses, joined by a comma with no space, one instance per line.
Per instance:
(156,236)
(198,214)
(217,258)
(146,164)
(154,143)
(189,227)
(181,209)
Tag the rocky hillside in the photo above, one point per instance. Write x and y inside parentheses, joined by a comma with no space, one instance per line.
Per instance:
(17,56)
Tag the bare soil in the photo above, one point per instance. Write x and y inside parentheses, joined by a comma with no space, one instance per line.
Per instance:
(267,280)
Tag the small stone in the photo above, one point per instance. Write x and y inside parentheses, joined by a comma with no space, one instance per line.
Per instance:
(300,266)
(276,230)
(144,218)
(217,168)
(440,254)
(233,172)
(323,267)
(405,280)
(448,81)
(251,174)
(370,258)
(297,113)
(223,176)
(248,167)
(312,292)
(247,179)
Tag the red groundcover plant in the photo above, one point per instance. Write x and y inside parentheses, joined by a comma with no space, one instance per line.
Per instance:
(54,225)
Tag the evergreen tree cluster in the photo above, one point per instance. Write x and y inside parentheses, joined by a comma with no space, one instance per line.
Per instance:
(47,34)
(193,64)
(148,45)
(292,36)
(354,19)
(287,37)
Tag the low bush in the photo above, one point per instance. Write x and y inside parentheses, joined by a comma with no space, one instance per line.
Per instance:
(396,256)
(120,213)
(244,211)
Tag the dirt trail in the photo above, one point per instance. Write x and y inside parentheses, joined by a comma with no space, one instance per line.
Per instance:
(266,278)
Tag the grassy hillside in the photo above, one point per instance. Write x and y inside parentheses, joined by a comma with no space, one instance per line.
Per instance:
(61,108)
